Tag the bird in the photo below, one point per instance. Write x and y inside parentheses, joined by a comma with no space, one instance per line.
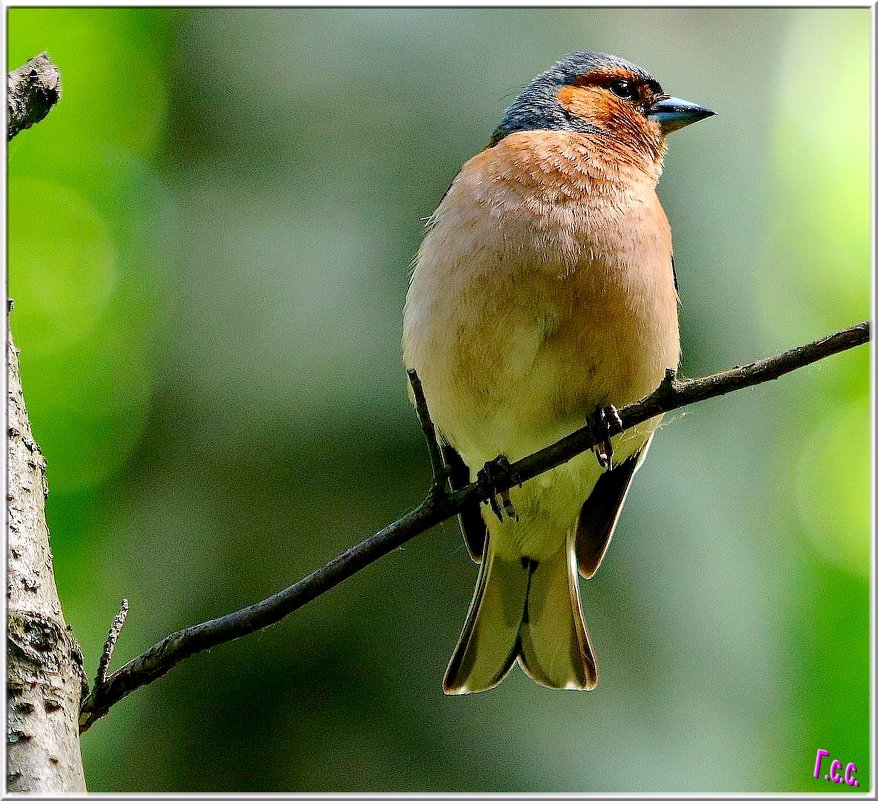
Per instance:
(543,296)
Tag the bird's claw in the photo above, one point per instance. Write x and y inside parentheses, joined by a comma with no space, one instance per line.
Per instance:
(487,479)
(603,423)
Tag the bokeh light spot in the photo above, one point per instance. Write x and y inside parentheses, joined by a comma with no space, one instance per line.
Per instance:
(832,487)
(64,263)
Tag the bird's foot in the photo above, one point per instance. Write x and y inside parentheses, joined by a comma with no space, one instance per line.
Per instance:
(487,479)
(603,423)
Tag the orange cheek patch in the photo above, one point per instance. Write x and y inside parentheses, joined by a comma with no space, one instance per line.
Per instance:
(585,102)
(598,106)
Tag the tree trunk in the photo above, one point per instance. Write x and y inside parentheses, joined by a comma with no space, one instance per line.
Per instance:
(45,676)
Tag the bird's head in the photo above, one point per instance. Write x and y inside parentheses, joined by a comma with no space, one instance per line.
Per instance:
(604,95)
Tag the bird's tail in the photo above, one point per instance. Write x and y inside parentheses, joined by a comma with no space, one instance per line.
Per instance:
(527,610)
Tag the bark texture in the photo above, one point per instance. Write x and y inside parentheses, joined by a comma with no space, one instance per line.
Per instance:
(45,681)
(31,91)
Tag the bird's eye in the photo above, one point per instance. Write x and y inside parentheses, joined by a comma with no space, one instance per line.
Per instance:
(624,89)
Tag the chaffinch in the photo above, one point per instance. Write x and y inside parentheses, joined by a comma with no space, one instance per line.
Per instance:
(544,292)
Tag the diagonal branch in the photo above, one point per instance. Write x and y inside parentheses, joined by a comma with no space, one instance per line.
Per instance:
(671,394)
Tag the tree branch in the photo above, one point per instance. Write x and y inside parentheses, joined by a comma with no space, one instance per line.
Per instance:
(436,507)
(32,90)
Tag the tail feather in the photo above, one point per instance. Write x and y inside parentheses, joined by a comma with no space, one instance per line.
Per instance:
(527,610)
(488,643)
(555,649)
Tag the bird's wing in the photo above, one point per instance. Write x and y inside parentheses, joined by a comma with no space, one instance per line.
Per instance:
(600,513)
(471,524)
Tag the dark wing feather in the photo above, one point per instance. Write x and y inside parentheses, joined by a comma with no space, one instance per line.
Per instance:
(600,513)
(471,524)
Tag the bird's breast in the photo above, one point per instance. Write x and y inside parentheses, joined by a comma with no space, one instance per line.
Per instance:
(543,287)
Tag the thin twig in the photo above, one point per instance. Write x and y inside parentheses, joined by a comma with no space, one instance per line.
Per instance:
(671,394)
(437,465)
(32,90)
(110,646)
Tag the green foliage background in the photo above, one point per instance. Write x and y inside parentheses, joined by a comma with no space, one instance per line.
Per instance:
(209,241)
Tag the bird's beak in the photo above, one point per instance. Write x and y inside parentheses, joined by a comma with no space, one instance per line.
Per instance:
(671,113)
